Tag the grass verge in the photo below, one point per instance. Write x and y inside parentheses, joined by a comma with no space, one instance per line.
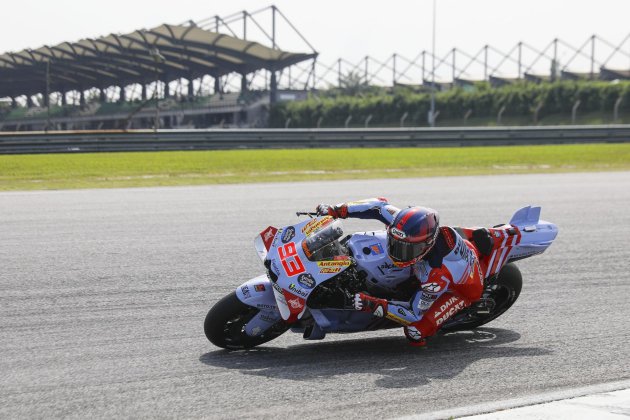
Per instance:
(108,170)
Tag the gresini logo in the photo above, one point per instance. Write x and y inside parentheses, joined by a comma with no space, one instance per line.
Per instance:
(398,233)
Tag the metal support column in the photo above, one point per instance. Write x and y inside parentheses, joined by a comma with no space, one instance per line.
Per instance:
(394,70)
(592,57)
(244,76)
(339,72)
(273,26)
(520,59)
(554,63)
(167,89)
(47,97)
(191,89)
(453,63)
(485,62)
(273,87)
(423,72)
(123,94)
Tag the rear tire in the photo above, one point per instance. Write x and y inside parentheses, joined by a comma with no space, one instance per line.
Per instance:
(504,290)
(225,325)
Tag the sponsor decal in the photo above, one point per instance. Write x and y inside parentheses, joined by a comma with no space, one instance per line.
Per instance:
(398,319)
(269,319)
(290,260)
(425,302)
(295,303)
(464,252)
(448,309)
(450,313)
(256,331)
(297,290)
(426,296)
(306,280)
(388,267)
(379,311)
(316,224)
(259,287)
(267,236)
(376,249)
(433,287)
(402,312)
(245,291)
(398,233)
(391,210)
(288,234)
(334,263)
(277,288)
(265,306)
(332,267)
(274,267)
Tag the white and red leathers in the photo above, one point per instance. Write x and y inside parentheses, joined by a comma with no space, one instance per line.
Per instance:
(449,275)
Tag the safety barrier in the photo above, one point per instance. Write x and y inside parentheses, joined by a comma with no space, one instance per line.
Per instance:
(224,139)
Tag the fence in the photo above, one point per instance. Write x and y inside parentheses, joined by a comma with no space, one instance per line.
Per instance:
(224,139)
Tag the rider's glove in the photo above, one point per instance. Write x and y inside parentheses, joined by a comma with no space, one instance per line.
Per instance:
(367,303)
(338,212)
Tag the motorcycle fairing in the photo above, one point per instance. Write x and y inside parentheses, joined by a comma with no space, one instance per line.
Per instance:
(296,275)
(258,293)
(370,252)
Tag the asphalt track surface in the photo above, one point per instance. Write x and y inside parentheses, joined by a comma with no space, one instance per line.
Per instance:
(103,294)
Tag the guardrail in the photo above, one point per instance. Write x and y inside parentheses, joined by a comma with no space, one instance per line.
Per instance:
(224,139)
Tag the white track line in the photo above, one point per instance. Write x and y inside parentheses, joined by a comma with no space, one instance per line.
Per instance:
(491,407)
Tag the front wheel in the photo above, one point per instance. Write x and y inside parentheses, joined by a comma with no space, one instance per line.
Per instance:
(225,325)
(498,296)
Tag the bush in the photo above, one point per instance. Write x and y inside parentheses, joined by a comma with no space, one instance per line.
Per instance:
(387,106)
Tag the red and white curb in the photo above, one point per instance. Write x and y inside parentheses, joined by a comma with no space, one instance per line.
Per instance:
(604,401)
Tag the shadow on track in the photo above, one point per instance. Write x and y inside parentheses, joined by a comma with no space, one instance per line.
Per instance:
(398,364)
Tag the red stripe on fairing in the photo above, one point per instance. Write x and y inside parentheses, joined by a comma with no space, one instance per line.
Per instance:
(493,269)
(406,217)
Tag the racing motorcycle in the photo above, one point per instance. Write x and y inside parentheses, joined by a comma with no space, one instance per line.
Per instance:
(313,272)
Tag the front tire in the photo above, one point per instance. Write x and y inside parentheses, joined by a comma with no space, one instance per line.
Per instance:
(504,290)
(225,325)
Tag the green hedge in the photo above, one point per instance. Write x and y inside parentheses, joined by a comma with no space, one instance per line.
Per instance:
(387,108)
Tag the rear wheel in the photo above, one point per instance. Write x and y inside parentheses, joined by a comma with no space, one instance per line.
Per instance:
(498,296)
(225,325)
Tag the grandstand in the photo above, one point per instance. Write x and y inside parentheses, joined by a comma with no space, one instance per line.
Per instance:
(202,74)
(145,79)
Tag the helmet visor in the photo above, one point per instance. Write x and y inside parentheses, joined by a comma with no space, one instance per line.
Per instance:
(402,251)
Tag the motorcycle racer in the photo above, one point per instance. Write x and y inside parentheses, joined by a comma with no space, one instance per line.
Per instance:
(446,265)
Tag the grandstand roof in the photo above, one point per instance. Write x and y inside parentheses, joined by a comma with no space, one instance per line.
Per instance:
(189,52)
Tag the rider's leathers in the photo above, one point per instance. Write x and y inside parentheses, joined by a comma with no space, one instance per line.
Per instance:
(450,275)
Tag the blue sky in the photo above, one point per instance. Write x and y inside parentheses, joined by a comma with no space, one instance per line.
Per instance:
(350,29)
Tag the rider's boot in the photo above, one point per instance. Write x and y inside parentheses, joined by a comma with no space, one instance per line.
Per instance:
(414,336)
